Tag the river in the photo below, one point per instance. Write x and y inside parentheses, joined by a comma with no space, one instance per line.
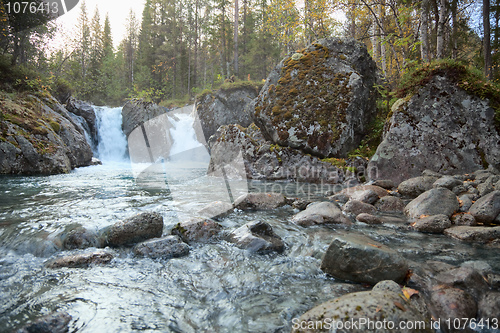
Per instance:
(216,288)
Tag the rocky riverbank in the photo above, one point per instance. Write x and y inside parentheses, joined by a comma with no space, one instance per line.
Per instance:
(464,207)
(40,136)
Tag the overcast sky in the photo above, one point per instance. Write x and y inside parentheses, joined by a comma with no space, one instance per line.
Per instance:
(118,11)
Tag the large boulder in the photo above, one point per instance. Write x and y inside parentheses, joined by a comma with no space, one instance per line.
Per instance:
(225,107)
(136,112)
(86,111)
(361,259)
(369,311)
(474,234)
(133,230)
(442,128)
(321,99)
(39,136)
(265,160)
(58,322)
(433,202)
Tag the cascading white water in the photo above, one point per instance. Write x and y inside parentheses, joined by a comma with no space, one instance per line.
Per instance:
(183,134)
(112,146)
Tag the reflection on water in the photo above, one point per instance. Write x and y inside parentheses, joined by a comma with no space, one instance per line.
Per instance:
(217,288)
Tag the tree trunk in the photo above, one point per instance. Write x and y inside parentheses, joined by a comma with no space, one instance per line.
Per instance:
(236,14)
(375,40)
(383,54)
(486,39)
(424,38)
(454,34)
(440,30)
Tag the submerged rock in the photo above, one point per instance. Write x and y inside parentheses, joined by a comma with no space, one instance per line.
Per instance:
(79,238)
(383,304)
(361,259)
(81,260)
(197,230)
(474,234)
(319,100)
(165,247)
(320,213)
(133,230)
(54,323)
(433,202)
(441,127)
(368,218)
(257,237)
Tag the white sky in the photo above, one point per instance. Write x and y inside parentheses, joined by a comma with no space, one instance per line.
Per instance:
(118,11)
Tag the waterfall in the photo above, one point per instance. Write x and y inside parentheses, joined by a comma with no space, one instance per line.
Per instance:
(184,139)
(112,143)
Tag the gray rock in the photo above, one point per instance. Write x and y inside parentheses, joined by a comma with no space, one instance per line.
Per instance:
(465,202)
(494,281)
(489,306)
(481,175)
(320,213)
(378,305)
(356,207)
(432,224)
(442,128)
(86,111)
(292,110)
(300,204)
(485,188)
(341,198)
(133,230)
(487,208)
(390,204)
(54,323)
(368,218)
(465,278)
(451,303)
(360,259)
(381,192)
(433,202)
(137,112)
(413,187)
(474,234)
(448,182)
(264,160)
(224,107)
(165,247)
(216,210)
(366,196)
(47,141)
(80,260)
(463,219)
(482,267)
(95,161)
(260,201)
(197,230)
(257,237)
(385,183)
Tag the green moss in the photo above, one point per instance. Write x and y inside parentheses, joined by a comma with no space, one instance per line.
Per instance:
(308,90)
(469,79)
(55,126)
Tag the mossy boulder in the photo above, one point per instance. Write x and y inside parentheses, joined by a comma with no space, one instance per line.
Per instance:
(319,100)
(440,127)
(39,136)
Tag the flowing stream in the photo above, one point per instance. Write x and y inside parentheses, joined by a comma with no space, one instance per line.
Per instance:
(216,288)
